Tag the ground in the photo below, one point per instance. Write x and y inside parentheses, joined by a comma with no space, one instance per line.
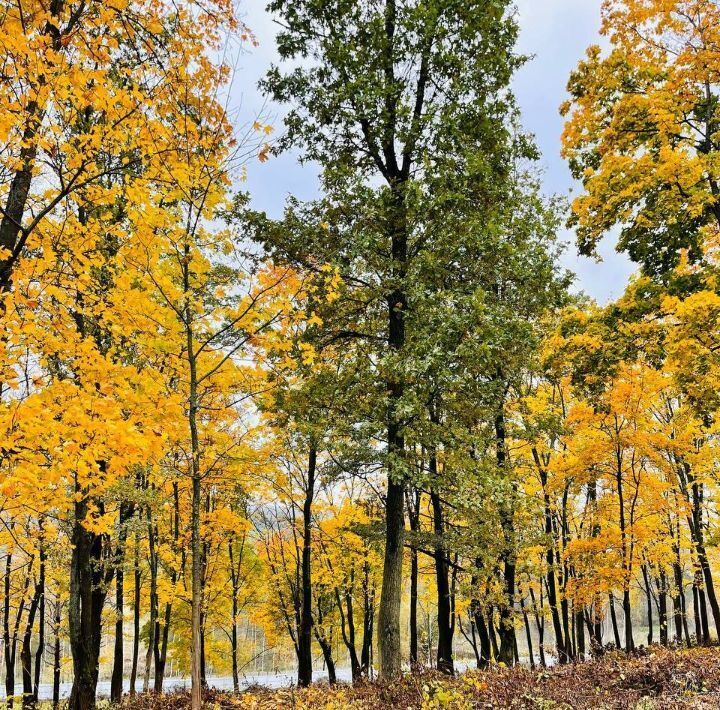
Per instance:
(652,679)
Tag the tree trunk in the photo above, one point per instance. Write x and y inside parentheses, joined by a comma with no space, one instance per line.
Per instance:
(627,612)
(663,608)
(234,644)
(203,665)
(482,631)
(580,633)
(161,640)
(326,649)
(528,635)
(56,658)
(196,548)
(567,633)
(703,616)
(678,577)
(12,235)
(235,581)
(597,631)
(491,632)
(25,648)
(368,620)
(677,607)
(306,616)
(414,518)
(9,637)
(89,578)
(390,596)
(709,590)
(391,593)
(162,637)
(41,625)
(696,611)
(507,623)
(550,579)
(116,680)
(694,494)
(442,570)
(613,618)
(152,624)
(347,628)
(136,618)
(683,607)
(649,604)
(540,625)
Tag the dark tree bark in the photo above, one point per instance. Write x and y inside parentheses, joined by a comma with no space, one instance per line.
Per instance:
(627,613)
(234,579)
(579,622)
(506,628)
(677,607)
(116,680)
(152,624)
(442,570)
(162,635)
(613,619)
(678,596)
(597,632)
(550,580)
(413,505)
(13,235)
(368,620)
(203,664)
(40,650)
(326,649)
(649,603)
(704,625)
(9,657)
(528,634)
(662,590)
(491,632)
(709,590)
(391,592)
(540,625)
(306,615)
(683,605)
(696,611)
(25,648)
(89,577)
(136,619)
(10,635)
(694,493)
(160,647)
(663,616)
(485,650)
(567,632)
(596,639)
(345,607)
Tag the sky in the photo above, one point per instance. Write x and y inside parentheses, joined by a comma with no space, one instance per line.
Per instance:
(554,32)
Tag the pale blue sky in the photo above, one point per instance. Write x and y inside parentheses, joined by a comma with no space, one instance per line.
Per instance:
(555,32)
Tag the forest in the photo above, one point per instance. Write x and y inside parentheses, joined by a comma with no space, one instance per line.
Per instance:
(379,449)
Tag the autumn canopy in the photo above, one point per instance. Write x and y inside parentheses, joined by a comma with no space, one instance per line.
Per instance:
(380,431)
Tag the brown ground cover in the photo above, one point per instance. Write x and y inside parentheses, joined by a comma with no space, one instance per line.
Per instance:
(654,679)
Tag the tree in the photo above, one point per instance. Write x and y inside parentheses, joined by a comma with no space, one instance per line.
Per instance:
(80,104)
(410,94)
(642,131)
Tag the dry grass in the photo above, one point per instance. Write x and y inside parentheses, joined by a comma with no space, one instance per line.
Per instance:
(656,679)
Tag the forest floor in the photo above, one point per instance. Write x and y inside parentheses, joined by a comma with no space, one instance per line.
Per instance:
(652,679)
